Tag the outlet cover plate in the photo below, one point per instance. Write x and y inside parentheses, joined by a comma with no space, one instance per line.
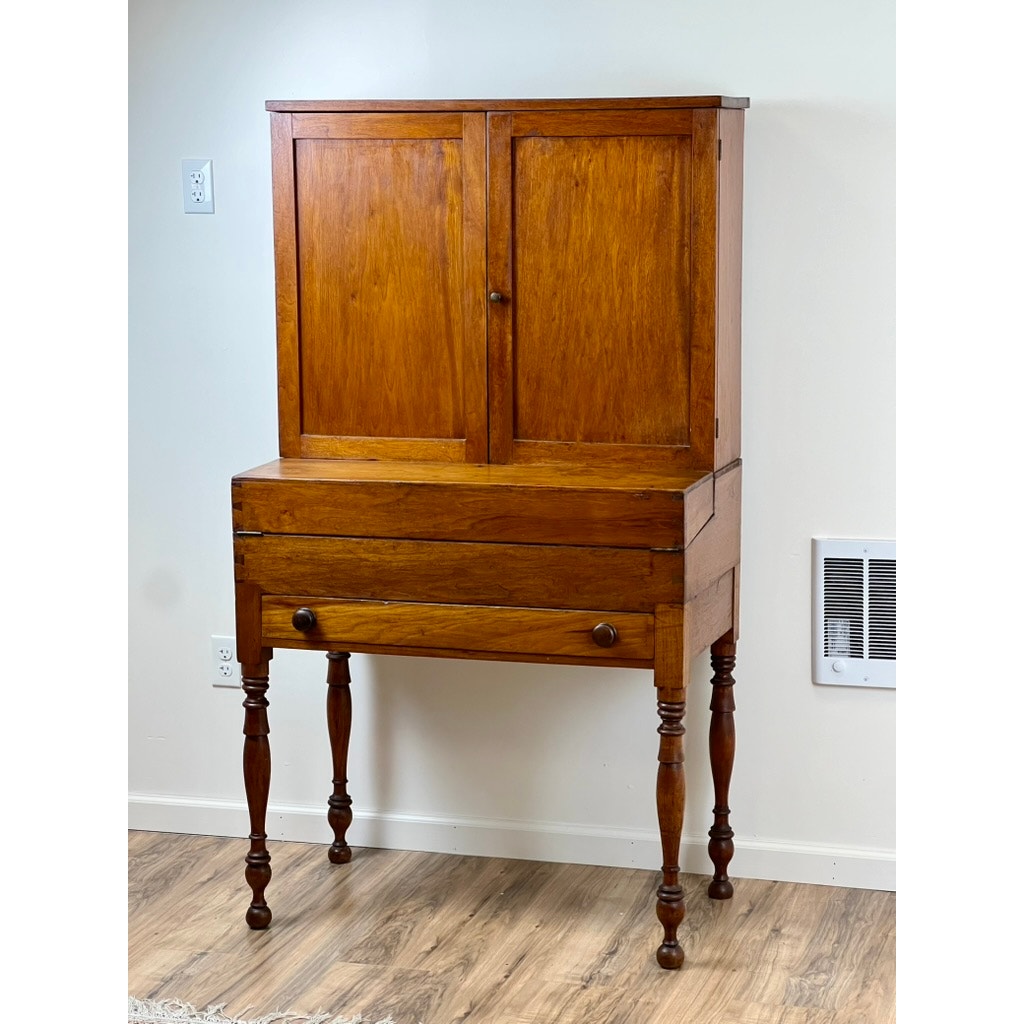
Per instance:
(224,669)
(197,185)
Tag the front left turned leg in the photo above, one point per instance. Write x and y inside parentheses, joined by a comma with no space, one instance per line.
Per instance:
(671,800)
(256,772)
(339,728)
(722,741)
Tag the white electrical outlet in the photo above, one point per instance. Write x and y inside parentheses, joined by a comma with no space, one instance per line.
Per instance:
(197,185)
(225,670)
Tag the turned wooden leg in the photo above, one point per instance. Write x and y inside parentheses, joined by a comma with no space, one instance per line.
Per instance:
(671,801)
(256,770)
(339,728)
(722,741)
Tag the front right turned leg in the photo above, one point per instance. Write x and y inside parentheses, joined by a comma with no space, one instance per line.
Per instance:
(256,771)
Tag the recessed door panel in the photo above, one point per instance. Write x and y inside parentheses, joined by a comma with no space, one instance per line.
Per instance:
(604,310)
(389,303)
(381,297)
(594,223)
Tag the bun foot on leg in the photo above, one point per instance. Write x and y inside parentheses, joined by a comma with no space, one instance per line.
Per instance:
(720,889)
(339,853)
(257,874)
(670,956)
(257,918)
(670,913)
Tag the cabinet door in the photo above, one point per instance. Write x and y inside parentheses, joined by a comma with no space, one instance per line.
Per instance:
(380,246)
(601,240)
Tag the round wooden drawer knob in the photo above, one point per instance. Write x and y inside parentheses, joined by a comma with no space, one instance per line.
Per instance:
(304,620)
(604,634)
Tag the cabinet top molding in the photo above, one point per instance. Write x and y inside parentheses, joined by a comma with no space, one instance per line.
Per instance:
(597,103)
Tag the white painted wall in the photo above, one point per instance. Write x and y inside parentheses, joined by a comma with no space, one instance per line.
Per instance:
(513,759)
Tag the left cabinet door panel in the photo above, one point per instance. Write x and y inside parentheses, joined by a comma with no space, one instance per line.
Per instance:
(380,241)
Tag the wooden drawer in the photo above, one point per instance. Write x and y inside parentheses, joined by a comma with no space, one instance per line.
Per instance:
(442,572)
(453,628)
(503,504)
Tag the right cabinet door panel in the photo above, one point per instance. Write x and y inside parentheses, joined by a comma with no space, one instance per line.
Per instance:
(596,220)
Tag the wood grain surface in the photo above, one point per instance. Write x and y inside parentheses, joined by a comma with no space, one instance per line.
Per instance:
(381,314)
(560,103)
(600,261)
(482,503)
(348,624)
(438,939)
(522,575)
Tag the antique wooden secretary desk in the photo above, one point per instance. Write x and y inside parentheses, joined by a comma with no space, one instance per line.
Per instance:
(509,404)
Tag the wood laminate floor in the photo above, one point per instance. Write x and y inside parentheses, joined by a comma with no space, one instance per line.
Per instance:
(437,939)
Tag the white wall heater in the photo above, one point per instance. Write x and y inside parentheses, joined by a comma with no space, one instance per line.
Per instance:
(854,612)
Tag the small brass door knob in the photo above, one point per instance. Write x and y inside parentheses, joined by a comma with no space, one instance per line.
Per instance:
(304,620)
(495,296)
(604,634)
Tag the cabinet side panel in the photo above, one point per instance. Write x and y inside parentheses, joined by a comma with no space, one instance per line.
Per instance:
(730,238)
(380,248)
(283,166)
(705,285)
(602,285)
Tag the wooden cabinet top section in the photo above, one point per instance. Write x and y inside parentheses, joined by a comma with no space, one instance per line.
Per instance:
(599,103)
(513,282)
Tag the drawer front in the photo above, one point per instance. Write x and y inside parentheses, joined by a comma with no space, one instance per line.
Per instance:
(497,513)
(440,572)
(535,631)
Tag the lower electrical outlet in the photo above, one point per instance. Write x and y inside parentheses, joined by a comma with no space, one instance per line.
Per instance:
(224,669)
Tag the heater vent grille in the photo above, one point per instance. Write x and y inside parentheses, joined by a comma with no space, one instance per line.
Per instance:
(844,608)
(882,608)
(855,612)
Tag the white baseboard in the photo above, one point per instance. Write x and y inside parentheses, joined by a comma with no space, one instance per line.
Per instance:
(849,867)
